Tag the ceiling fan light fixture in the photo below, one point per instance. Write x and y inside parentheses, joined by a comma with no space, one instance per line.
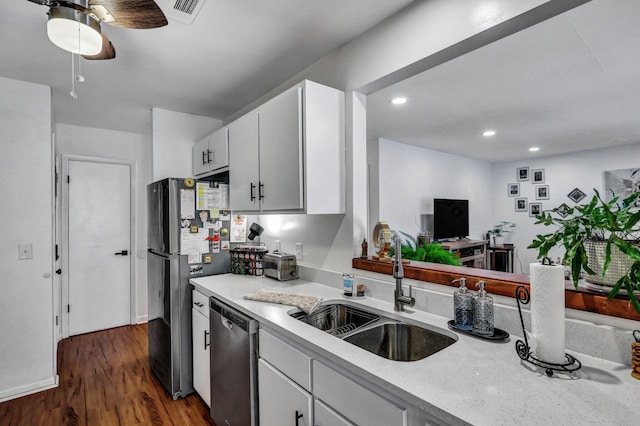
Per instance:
(74,31)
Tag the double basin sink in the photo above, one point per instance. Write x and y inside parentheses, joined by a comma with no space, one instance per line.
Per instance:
(384,336)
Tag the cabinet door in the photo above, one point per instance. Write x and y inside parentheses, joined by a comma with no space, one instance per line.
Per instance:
(244,163)
(325,416)
(201,343)
(282,402)
(355,402)
(201,156)
(281,152)
(219,149)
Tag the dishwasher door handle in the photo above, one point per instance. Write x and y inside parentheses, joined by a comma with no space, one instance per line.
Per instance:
(226,323)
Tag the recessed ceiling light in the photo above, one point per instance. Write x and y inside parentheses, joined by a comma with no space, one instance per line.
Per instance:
(488,133)
(399,101)
(534,149)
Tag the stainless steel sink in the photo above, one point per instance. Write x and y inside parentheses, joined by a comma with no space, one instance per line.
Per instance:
(386,337)
(400,341)
(337,318)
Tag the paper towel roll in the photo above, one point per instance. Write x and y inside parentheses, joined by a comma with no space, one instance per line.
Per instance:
(547,312)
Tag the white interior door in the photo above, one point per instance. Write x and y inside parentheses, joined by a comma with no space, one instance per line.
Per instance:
(99,276)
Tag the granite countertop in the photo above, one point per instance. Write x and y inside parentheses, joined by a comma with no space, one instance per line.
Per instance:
(472,381)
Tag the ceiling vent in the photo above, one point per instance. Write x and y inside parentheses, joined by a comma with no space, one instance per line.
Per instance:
(183,11)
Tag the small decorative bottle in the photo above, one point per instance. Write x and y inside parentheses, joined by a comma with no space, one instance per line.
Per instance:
(463,306)
(482,312)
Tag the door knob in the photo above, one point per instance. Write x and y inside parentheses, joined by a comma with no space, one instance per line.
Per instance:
(122,253)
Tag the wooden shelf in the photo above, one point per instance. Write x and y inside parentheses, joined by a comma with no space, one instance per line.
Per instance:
(504,284)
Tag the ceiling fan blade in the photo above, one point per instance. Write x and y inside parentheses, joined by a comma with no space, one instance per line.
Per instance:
(107,52)
(140,14)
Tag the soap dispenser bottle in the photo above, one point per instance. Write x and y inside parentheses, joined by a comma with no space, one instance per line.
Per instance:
(482,312)
(463,306)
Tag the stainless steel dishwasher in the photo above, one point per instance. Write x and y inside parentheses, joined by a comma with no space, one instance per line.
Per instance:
(234,400)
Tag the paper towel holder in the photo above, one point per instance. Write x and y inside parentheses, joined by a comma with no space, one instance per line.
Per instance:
(524,350)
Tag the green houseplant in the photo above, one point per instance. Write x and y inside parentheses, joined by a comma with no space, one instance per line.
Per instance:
(500,229)
(433,253)
(612,224)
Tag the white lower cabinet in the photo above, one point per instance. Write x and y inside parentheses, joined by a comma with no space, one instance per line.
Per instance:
(295,388)
(326,416)
(282,401)
(354,401)
(201,343)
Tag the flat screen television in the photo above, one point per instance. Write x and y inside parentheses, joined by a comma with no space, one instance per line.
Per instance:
(450,218)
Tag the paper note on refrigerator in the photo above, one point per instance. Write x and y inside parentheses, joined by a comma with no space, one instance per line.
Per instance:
(194,242)
(187,202)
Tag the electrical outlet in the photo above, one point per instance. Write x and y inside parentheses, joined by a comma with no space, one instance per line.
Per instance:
(299,251)
(25,251)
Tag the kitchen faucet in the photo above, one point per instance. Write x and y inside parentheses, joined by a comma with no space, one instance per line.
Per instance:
(399,299)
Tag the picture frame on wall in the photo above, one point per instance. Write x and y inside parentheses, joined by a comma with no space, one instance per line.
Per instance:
(535,209)
(576,195)
(537,176)
(542,192)
(562,210)
(513,189)
(522,174)
(521,204)
(622,184)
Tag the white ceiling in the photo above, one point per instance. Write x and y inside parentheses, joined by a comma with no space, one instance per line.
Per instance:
(569,84)
(234,52)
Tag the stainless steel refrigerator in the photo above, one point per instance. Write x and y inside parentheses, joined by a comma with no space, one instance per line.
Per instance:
(175,227)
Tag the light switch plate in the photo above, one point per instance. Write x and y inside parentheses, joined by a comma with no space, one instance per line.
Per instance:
(299,251)
(25,251)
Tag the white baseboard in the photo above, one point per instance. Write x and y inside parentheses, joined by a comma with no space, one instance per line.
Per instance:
(28,389)
(142,319)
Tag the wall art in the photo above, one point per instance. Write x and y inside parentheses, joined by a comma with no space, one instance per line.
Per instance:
(535,209)
(521,204)
(542,192)
(621,183)
(537,176)
(513,189)
(562,210)
(576,195)
(522,174)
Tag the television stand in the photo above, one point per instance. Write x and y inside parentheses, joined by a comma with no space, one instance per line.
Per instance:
(471,252)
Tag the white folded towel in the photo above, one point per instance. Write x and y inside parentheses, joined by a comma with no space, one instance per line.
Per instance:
(306,303)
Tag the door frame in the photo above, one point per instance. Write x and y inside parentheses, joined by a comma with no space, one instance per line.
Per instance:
(64,255)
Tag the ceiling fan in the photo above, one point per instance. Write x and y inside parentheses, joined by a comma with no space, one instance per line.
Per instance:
(74,25)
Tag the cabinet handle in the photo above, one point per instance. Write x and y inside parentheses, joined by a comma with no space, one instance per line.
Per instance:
(260,190)
(198,304)
(298,416)
(203,160)
(252,192)
(206,333)
(209,152)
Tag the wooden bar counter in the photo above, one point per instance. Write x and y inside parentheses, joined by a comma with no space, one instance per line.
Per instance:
(504,284)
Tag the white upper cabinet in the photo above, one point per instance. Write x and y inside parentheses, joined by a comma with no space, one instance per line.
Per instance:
(211,153)
(244,165)
(287,156)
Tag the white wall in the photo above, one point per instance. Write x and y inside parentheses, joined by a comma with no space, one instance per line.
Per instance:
(563,173)
(173,135)
(420,31)
(411,177)
(134,147)
(27,342)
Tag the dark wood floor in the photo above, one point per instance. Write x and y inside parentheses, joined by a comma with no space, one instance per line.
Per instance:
(105,380)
